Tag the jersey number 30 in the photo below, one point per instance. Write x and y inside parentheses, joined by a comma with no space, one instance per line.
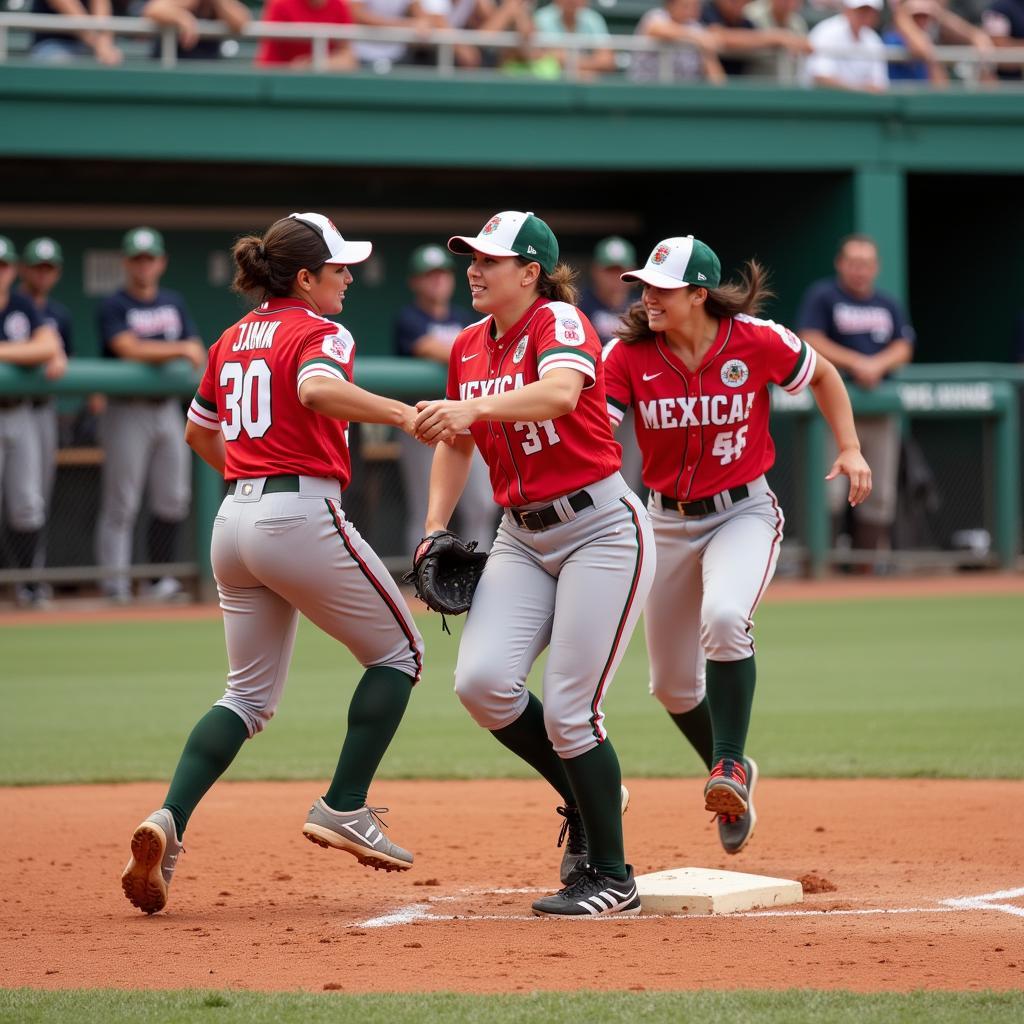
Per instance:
(247,400)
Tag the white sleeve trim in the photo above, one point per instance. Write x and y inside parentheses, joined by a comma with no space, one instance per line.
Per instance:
(803,378)
(201,418)
(615,414)
(565,360)
(319,370)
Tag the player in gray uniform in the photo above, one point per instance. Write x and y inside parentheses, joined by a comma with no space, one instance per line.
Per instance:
(25,340)
(141,437)
(41,263)
(271,414)
(573,559)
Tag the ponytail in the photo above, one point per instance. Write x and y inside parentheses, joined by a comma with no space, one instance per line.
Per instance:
(558,286)
(748,295)
(266,267)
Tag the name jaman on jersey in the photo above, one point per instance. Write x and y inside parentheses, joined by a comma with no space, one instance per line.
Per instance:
(250,392)
(705,431)
(531,462)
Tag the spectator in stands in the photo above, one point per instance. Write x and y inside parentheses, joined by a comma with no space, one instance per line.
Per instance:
(426,329)
(184,14)
(737,34)
(484,16)
(64,46)
(41,263)
(578,18)
(1004,23)
(773,15)
(423,16)
(851,29)
(298,53)
(528,59)
(919,25)
(144,437)
(695,53)
(866,335)
(25,340)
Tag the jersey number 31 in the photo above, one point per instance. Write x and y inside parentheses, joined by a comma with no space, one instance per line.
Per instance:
(247,399)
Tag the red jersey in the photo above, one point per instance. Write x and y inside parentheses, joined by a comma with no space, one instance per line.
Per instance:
(284,51)
(250,392)
(531,462)
(704,432)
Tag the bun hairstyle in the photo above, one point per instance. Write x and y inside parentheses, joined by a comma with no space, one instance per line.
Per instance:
(747,295)
(559,285)
(266,267)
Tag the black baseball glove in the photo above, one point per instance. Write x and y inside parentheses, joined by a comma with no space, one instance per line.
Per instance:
(445,572)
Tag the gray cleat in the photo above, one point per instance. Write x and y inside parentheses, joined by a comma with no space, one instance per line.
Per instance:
(574,836)
(357,832)
(155,850)
(734,831)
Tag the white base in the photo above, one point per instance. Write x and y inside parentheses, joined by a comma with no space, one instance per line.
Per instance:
(704,891)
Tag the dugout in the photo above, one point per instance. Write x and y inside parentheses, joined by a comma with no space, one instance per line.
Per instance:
(768,172)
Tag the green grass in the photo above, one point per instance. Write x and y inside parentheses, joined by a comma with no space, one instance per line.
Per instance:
(890,687)
(104,1007)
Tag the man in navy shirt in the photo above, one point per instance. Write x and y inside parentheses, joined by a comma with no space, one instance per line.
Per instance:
(1004,22)
(866,334)
(41,264)
(25,340)
(143,438)
(426,329)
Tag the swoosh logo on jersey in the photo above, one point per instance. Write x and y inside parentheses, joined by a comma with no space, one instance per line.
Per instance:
(467,358)
(651,376)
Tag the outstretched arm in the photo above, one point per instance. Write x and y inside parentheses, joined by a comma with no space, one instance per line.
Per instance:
(834,403)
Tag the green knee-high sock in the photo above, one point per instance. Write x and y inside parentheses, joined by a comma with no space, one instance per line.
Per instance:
(377,707)
(597,784)
(695,725)
(211,747)
(730,696)
(527,738)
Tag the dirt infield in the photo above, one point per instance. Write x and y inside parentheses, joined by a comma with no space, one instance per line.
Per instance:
(255,906)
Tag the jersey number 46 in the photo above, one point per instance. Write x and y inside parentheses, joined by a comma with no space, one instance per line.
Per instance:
(729,445)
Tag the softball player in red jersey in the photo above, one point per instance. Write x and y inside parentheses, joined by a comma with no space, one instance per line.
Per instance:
(695,364)
(574,557)
(271,413)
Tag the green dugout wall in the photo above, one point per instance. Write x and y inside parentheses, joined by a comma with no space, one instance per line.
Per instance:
(779,174)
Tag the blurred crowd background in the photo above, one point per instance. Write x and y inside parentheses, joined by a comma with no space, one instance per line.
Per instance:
(828,43)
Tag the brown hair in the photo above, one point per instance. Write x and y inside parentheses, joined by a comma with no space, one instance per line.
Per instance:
(559,285)
(747,295)
(267,266)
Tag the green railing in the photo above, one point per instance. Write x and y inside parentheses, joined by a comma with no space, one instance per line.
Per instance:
(974,390)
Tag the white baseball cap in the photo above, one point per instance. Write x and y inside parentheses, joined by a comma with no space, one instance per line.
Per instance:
(677,263)
(854,4)
(339,251)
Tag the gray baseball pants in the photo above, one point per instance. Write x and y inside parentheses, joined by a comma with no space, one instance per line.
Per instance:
(578,588)
(713,571)
(276,555)
(143,447)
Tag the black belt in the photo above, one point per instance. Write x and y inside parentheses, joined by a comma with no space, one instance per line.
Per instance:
(274,485)
(703,506)
(542,518)
(39,403)
(12,403)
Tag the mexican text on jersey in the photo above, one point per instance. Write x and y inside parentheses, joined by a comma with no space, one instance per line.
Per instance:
(698,411)
(495,386)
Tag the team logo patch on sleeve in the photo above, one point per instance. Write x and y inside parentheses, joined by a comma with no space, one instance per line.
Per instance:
(569,332)
(17,326)
(517,356)
(791,339)
(735,373)
(339,347)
